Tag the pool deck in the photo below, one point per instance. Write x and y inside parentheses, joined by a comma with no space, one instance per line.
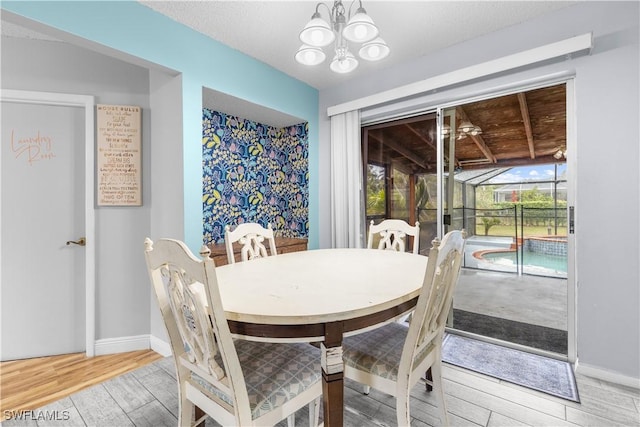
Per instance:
(538,297)
(529,299)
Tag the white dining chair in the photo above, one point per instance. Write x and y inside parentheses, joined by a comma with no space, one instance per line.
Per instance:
(394,357)
(393,235)
(235,382)
(251,236)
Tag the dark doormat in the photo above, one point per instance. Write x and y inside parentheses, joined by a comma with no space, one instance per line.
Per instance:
(540,337)
(544,374)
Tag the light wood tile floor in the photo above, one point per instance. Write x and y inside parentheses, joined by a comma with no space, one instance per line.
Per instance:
(147,396)
(31,383)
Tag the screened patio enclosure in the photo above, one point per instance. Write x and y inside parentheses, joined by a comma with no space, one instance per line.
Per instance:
(515,218)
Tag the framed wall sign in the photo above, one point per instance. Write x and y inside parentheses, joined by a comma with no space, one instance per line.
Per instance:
(118,155)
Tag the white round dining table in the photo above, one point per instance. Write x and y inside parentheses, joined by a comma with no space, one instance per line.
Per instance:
(320,295)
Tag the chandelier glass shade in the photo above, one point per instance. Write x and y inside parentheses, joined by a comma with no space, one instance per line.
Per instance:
(343,63)
(360,28)
(310,55)
(317,32)
(465,127)
(374,50)
(341,29)
(560,154)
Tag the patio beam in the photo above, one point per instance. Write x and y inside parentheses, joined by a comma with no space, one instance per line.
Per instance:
(524,110)
(414,157)
(477,139)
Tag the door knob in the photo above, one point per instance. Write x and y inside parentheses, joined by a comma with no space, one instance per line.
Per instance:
(80,242)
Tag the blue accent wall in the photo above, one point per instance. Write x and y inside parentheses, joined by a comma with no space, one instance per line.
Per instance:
(134,29)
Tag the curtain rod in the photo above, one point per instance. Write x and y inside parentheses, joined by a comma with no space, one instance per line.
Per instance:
(568,46)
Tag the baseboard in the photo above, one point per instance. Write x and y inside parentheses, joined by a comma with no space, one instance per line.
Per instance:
(605,375)
(134,343)
(121,344)
(159,346)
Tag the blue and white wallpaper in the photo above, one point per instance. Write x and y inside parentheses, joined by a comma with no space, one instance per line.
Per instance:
(254,173)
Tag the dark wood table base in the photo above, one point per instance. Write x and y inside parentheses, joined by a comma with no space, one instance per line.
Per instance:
(331,346)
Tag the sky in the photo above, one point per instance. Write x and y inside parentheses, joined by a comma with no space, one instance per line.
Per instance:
(529,173)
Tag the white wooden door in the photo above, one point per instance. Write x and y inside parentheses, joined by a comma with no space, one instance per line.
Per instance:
(43,207)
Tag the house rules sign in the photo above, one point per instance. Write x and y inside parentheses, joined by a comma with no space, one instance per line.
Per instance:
(118,154)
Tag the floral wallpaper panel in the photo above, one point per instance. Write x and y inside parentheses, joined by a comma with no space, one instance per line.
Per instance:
(254,173)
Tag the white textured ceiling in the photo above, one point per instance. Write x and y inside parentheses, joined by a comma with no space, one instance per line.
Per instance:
(268,31)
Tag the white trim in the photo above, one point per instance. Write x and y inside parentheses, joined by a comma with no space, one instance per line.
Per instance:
(603,374)
(427,103)
(571,183)
(159,346)
(440,176)
(122,344)
(87,102)
(568,46)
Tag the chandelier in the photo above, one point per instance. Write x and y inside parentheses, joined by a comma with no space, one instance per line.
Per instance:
(341,29)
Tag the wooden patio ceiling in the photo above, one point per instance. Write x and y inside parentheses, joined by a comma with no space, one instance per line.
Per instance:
(525,128)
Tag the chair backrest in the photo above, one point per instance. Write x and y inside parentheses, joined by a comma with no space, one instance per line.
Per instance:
(200,338)
(430,316)
(393,234)
(250,235)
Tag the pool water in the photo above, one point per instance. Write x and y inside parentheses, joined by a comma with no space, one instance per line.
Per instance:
(551,262)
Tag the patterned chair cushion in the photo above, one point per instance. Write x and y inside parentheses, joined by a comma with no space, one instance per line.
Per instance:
(377,351)
(274,373)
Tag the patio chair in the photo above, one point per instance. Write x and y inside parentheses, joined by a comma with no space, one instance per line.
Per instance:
(392,358)
(393,233)
(250,235)
(235,382)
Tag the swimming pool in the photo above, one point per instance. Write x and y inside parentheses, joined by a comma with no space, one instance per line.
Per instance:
(530,260)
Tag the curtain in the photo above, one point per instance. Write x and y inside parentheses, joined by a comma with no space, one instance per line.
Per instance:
(346,181)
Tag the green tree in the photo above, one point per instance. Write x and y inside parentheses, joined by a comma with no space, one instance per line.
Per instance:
(535,195)
(489,222)
(400,194)
(422,193)
(376,194)
(484,197)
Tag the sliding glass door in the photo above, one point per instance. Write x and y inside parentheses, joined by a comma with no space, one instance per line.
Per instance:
(504,181)
(496,167)
(400,159)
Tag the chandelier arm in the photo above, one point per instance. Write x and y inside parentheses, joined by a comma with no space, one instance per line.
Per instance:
(349,10)
(328,10)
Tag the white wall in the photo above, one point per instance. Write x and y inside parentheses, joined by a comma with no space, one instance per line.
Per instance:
(167,194)
(608,184)
(122,284)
